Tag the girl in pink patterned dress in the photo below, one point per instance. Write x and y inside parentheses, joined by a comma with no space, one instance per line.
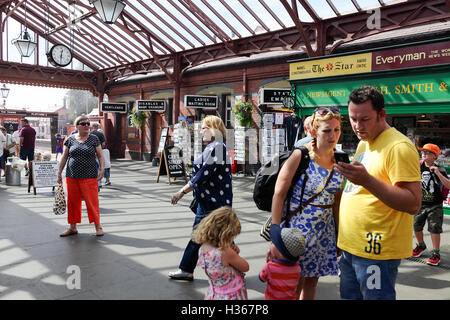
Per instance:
(219,256)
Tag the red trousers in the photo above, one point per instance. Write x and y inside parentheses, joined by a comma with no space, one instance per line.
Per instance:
(78,189)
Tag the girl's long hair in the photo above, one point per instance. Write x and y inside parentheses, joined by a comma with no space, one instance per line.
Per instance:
(219,228)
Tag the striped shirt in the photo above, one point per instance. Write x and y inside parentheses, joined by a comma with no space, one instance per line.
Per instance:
(282,279)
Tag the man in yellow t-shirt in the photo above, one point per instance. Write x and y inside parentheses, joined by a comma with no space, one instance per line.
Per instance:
(381,196)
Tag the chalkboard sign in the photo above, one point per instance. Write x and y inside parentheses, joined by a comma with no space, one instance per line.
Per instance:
(43,174)
(162,140)
(172,164)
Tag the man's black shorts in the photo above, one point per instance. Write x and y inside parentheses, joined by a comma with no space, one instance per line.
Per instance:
(27,153)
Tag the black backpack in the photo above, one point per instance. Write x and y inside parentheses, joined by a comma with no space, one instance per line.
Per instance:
(267,175)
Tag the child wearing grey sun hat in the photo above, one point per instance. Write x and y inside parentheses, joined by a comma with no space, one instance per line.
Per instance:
(282,271)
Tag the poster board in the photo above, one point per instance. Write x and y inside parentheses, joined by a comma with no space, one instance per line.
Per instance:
(162,140)
(172,164)
(43,174)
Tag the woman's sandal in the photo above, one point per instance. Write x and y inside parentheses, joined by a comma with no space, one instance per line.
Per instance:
(99,231)
(68,232)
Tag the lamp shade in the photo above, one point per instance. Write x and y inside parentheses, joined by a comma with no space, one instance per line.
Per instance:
(5,91)
(423,119)
(109,10)
(24,44)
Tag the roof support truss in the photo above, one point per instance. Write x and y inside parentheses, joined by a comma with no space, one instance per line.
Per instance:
(143,39)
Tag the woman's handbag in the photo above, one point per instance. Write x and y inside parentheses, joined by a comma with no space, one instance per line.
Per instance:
(193,206)
(59,206)
(265,229)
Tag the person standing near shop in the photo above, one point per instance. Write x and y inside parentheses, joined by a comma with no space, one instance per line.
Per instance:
(434,178)
(16,137)
(9,147)
(27,143)
(82,177)
(2,147)
(307,129)
(380,198)
(100,135)
(314,205)
(211,185)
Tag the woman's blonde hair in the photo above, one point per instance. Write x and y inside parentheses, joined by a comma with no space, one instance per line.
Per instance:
(215,123)
(80,118)
(219,228)
(316,120)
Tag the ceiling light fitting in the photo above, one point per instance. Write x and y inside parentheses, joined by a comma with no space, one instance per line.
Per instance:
(5,91)
(109,10)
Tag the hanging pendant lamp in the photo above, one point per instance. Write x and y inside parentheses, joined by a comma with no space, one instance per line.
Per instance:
(5,91)
(109,10)
(24,44)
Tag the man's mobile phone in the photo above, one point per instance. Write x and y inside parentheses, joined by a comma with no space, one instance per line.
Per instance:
(340,156)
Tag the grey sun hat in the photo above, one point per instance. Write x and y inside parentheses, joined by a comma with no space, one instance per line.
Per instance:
(289,241)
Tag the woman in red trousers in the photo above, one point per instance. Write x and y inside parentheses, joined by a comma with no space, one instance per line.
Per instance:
(80,150)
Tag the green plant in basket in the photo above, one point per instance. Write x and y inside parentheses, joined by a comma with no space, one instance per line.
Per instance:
(137,118)
(243,113)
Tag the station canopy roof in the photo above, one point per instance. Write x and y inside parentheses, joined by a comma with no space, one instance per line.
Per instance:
(175,35)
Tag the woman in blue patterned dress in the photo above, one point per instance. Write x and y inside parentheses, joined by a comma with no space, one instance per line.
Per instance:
(211,185)
(318,221)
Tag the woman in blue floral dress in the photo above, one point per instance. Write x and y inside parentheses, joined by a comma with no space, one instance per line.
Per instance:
(318,220)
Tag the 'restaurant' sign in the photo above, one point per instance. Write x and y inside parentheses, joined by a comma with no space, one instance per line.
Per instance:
(151,105)
(202,102)
(113,107)
(437,53)
(273,96)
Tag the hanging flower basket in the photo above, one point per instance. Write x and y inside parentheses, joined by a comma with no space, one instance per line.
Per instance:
(137,118)
(243,113)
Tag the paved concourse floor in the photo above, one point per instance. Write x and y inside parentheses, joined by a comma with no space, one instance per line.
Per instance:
(145,237)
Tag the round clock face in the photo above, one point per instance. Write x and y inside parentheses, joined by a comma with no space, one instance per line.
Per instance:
(61,55)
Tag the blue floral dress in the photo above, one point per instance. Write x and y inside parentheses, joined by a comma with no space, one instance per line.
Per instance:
(317,223)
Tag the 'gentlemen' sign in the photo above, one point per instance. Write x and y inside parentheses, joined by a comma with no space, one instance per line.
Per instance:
(151,105)
(113,107)
(201,102)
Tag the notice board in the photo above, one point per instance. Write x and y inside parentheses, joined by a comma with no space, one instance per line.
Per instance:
(43,174)
(162,140)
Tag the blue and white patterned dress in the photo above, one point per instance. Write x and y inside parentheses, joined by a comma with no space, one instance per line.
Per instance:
(317,224)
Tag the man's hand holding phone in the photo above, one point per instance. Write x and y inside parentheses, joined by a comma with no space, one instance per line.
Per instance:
(355,172)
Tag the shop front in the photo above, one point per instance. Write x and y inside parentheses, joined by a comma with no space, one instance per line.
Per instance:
(414,80)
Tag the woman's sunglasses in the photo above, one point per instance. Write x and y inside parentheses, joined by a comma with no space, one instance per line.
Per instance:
(84,124)
(323,111)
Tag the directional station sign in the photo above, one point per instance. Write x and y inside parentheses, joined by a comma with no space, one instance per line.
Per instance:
(151,105)
(113,107)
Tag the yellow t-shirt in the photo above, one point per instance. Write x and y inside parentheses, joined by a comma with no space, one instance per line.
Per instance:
(368,228)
